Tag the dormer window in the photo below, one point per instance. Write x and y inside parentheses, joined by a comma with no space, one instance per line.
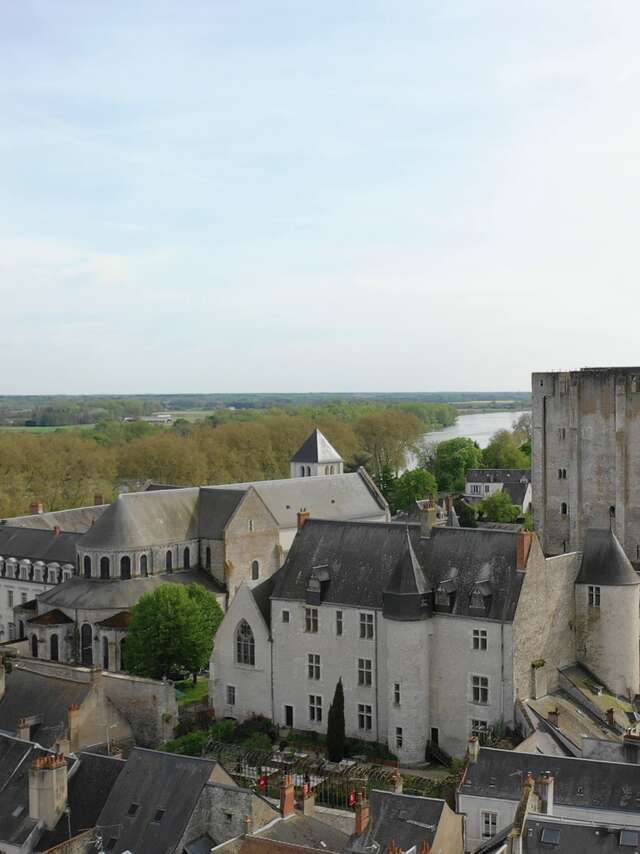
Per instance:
(477,599)
(442,597)
(445,594)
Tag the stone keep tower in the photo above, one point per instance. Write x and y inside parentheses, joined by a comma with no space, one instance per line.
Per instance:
(607,594)
(317,456)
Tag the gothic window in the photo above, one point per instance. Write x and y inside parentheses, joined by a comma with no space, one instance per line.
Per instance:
(168,562)
(86,645)
(144,565)
(308,471)
(34,646)
(186,562)
(245,645)
(331,470)
(255,570)
(104,567)
(53,647)
(302,471)
(87,566)
(125,567)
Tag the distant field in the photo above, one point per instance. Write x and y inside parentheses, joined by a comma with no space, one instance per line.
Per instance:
(19,429)
(191,414)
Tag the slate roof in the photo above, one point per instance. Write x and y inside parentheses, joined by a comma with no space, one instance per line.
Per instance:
(400,819)
(36,544)
(262,595)
(603,785)
(117,593)
(573,836)
(362,559)
(604,561)
(497,475)
(15,760)
(407,577)
(76,520)
(154,781)
(305,831)
(317,449)
(216,506)
(51,618)
(516,492)
(33,694)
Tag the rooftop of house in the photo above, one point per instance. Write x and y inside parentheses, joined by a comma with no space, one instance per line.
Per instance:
(303,831)
(517,492)
(574,722)
(77,520)
(405,820)
(604,562)
(593,692)
(316,449)
(542,834)
(16,757)
(497,475)
(38,544)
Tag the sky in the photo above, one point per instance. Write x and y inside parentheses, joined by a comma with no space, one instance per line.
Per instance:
(316,196)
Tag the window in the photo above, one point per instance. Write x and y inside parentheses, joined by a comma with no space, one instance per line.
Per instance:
(629,838)
(255,570)
(594,597)
(144,566)
(475,488)
(231,695)
(105,654)
(53,647)
(562,433)
(480,639)
(398,736)
(315,708)
(563,508)
(186,558)
(158,816)
(364,717)
(250,525)
(245,644)
(476,600)
(87,566)
(133,809)
(339,623)
(489,824)
(86,645)
(364,671)
(313,666)
(478,727)
(550,835)
(168,562)
(487,487)
(9,598)
(208,557)
(23,598)
(111,844)
(125,567)
(396,693)
(311,619)
(480,689)
(366,626)
(104,567)
(286,616)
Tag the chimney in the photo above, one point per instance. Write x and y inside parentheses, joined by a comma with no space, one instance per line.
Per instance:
(396,779)
(24,729)
(247,825)
(473,749)
(48,789)
(611,720)
(362,813)
(303,515)
(98,499)
(287,796)
(428,520)
(2,679)
(553,716)
(523,548)
(425,847)
(73,720)
(36,508)
(308,801)
(544,788)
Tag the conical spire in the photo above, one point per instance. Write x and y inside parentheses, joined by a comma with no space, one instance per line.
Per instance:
(407,576)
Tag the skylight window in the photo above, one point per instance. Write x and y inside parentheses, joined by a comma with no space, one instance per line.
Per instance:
(551,835)
(133,809)
(629,838)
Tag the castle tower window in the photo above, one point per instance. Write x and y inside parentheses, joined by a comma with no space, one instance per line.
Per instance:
(144,565)
(186,558)
(168,562)
(104,567)
(86,645)
(53,647)
(245,645)
(255,570)
(125,567)
(86,563)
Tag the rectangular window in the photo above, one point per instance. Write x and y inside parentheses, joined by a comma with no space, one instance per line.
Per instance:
(23,598)
(594,597)
(365,718)
(398,736)
(315,708)
(313,666)
(366,626)
(487,487)
(480,639)
(480,689)
(364,671)
(10,598)
(339,623)
(311,620)
(396,693)
(285,616)
(231,695)
(478,727)
(489,824)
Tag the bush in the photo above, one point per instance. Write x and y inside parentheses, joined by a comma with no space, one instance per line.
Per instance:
(191,744)
(258,741)
(224,731)
(257,724)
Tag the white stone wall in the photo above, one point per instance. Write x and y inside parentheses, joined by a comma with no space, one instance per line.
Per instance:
(22,591)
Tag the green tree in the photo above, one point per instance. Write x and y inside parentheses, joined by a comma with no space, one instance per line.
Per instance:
(412,486)
(171,631)
(452,461)
(335,726)
(385,480)
(504,452)
(466,513)
(498,508)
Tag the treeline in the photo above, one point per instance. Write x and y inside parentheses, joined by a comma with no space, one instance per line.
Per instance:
(66,468)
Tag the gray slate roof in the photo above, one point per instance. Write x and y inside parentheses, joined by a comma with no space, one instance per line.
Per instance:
(604,785)
(76,520)
(155,781)
(317,449)
(307,832)
(216,506)
(38,544)
(497,475)
(400,819)
(15,760)
(604,561)
(28,694)
(516,492)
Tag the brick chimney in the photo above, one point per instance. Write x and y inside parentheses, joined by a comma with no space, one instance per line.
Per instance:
(287,796)
(553,716)
(611,719)
(425,847)
(48,789)
(303,515)
(362,813)
(473,749)
(36,508)
(544,790)
(523,548)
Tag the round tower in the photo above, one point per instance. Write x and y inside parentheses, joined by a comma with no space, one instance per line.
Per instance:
(607,595)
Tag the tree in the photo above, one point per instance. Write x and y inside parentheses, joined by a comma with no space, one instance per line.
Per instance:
(388,435)
(335,726)
(503,452)
(385,480)
(498,508)
(523,427)
(453,459)
(171,631)
(412,486)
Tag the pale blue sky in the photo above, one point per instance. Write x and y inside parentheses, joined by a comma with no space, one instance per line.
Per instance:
(296,196)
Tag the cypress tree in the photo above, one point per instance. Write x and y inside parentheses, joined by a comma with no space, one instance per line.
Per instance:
(335,725)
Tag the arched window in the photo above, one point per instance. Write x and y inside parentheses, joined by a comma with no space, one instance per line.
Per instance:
(34,646)
(105,654)
(87,566)
(331,470)
(21,629)
(326,469)
(168,562)
(302,471)
(308,471)
(186,559)
(104,567)
(208,557)
(255,570)
(125,567)
(86,645)
(245,644)
(144,569)
(53,647)
(563,508)
(122,653)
